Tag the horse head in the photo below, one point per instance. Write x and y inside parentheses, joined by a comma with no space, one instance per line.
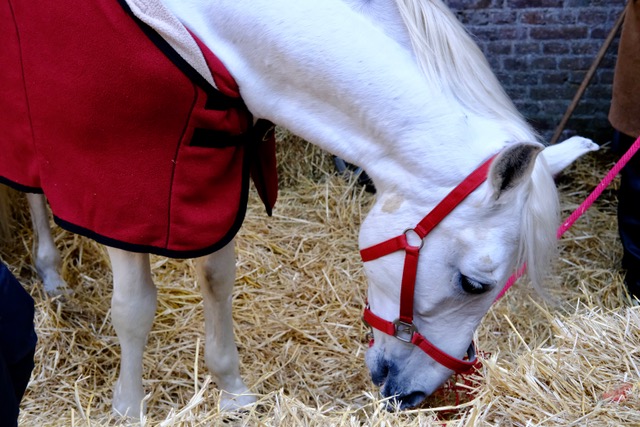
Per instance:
(434,282)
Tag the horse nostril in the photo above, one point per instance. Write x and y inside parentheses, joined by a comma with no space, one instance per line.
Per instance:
(406,401)
(380,374)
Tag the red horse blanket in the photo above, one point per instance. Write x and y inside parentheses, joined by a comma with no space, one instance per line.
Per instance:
(130,144)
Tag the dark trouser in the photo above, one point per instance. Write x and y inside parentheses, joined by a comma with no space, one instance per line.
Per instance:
(17,345)
(629,213)
(13,383)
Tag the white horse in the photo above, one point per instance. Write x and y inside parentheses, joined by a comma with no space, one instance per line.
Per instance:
(399,88)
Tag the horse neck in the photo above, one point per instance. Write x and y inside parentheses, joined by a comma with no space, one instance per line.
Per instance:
(386,15)
(330,74)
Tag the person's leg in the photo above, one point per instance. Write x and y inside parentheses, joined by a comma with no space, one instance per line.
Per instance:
(629,214)
(17,345)
(20,373)
(9,405)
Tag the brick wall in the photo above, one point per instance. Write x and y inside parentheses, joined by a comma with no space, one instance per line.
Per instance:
(541,50)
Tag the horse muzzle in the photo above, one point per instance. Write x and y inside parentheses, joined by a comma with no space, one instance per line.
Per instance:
(399,382)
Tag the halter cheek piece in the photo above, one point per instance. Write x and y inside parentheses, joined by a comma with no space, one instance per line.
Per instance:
(403,327)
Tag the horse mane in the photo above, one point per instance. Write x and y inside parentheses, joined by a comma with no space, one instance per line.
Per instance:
(448,57)
(540,218)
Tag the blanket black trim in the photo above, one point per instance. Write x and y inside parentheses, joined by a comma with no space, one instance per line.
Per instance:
(216,100)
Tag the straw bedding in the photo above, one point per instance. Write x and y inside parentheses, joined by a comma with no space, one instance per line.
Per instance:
(297,306)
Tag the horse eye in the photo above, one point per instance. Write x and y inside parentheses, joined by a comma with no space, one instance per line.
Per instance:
(471,286)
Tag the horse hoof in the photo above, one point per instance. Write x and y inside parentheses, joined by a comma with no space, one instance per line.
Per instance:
(59,291)
(230,402)
(133,406)
(55,286)
(129,412)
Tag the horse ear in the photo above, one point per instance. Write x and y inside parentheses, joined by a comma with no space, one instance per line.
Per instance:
(561,155)
(512,166)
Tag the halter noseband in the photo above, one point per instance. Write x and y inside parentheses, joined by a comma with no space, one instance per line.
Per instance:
(403,327)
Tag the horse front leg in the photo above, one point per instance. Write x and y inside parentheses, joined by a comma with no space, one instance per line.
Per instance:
(47,257)
(133,307)
(216,275)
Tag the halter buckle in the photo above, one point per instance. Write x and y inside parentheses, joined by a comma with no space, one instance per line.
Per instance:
(404,331)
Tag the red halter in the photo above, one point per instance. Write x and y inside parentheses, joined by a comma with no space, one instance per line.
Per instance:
(403,327)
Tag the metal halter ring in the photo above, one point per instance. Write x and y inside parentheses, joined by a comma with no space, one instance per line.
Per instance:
(413,231)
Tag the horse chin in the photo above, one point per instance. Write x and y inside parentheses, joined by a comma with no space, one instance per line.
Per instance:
(407,401)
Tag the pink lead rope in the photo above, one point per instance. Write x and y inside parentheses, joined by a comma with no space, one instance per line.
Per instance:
(582,208)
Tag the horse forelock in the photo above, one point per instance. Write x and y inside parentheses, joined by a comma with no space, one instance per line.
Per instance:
(448,57)
(540,219)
